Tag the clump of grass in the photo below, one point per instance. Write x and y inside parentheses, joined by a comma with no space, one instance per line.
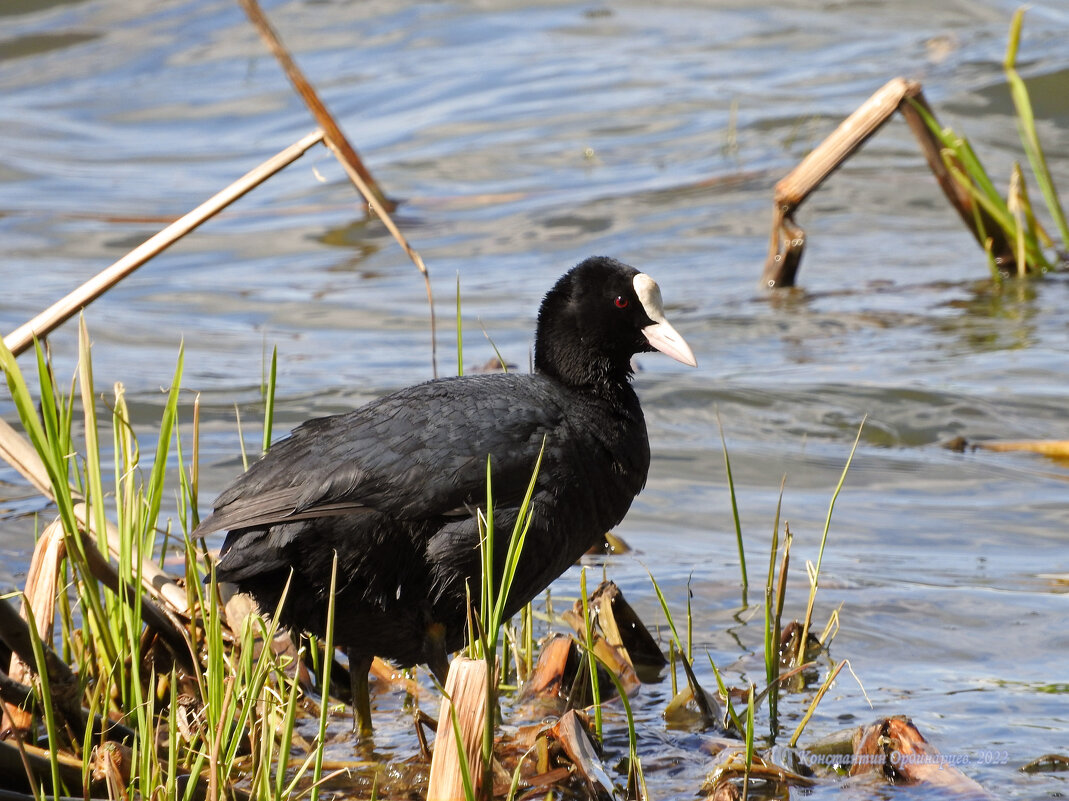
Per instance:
(246,696)
(229,706)
(775,655)
(1026,126)
(1028,242)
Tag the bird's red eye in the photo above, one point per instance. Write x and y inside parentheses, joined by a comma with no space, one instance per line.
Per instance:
(621,302)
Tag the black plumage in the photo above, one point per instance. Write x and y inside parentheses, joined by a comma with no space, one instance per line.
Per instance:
(394,485)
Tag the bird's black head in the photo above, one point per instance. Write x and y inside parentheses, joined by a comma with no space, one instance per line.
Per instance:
(596,317)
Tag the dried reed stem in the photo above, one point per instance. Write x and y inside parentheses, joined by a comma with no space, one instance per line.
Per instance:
(387,220)
(367,185)
(22,337)
(1058,448)
(576,742)
(788,239)
(16,450)
(346,154)
(42,580)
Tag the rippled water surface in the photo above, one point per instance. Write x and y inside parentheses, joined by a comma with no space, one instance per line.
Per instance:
(523,137)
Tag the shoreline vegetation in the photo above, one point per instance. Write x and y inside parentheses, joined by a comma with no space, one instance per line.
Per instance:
(140,680)
(134,673)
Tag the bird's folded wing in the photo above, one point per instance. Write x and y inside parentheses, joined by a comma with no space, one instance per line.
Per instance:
(420,453)
(271,507)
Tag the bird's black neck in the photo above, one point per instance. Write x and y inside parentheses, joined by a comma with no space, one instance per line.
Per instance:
(581,371)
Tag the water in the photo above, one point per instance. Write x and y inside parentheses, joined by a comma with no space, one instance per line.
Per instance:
(523,137)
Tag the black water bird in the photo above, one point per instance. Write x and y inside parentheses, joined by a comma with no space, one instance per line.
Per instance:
(393,487)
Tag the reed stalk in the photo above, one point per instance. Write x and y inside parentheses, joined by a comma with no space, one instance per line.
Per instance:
(42,324)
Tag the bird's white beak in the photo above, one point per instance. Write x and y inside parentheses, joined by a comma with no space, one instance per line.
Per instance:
(661,335)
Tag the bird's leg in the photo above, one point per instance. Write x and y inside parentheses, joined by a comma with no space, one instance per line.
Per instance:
(359,667)
(434,648)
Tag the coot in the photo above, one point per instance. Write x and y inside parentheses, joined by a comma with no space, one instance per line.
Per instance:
(393,487)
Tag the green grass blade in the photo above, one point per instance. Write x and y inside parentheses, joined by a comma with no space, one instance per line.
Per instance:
(51,723)
(726,695)
(771,636)
(163,448)
(487,555)
(981,181)
(813,705)
(460,333)
(734,511)
(93,461)
(493,345)
(55,466)
(632,736)
(667,615)
(289,723)
(465,772)
(517,540)
(328,661)
(49,402)
(800,656)
(588,646)
(1026,127)
(749,741)
(269,400)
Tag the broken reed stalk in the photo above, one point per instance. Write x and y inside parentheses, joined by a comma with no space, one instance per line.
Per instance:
(21,759)
(339,145)
(460,731)
(42,581)
(324,119)
(22,337)
(976,218)
(787,240)
(395,232)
